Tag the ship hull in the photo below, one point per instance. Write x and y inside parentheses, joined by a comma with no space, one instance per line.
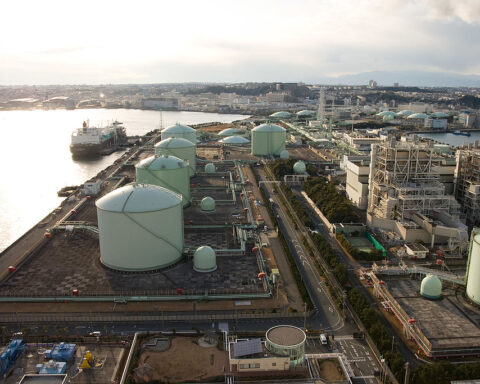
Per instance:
(86,150)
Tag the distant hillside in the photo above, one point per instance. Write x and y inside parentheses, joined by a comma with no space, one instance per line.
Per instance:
(406,78)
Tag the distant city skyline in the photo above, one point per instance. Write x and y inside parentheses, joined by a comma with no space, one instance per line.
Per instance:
(224,41)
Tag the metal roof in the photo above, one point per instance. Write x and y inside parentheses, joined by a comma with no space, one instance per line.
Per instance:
(247,347)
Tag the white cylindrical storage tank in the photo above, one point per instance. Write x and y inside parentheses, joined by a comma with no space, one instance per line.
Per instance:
(181,148)
(210,168)
(284,154)
(268,139)
(166,171)
(179,130)
(431,287)
(207,204)
(140,228)
(204,259)
(473,269)
(299,168)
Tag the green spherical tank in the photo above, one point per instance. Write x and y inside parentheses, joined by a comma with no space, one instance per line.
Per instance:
(268,139)
(179,130)
(140,228)
(431,287)
(204,259)
(166,171)
(207,204)
(181,148)
(284,154)
(210,168)
(299,168)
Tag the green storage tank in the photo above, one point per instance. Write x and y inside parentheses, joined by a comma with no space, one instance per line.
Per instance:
(166,171)
(181,148)
(268,139)
(204,259)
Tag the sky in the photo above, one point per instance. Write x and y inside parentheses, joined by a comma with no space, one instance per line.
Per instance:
(103,41)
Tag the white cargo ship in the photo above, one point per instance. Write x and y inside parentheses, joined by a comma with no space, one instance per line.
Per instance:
(94,141)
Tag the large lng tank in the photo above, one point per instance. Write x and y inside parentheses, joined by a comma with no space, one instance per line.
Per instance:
(179,147)
(183,131)
(166,171)
(268,139)
(473,268)
(140,228)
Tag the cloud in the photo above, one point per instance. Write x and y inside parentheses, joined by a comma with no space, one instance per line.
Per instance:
(467,11)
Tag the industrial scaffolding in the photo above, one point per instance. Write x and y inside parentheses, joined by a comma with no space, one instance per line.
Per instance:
(402,181)
(467,186)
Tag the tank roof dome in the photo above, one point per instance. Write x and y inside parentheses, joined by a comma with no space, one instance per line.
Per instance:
(210,168)
(440,115)
(178,128)
(229,132)
(207,204)
(417,116)
(268,128)
(138,198)
(162,162)
(406,112)
(234,140)
(204,259)
(305,112)
(281,114)
(174,142)
(431,287)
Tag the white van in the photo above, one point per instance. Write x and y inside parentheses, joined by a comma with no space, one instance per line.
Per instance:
(323,339)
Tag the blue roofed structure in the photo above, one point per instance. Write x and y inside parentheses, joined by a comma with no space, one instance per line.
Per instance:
(61,352)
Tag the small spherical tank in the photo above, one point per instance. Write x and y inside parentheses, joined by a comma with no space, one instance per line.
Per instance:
(431,287)
(179,130)
(284,154)
(140,228)
(299,168)
(166,171)
(205,259)
(210,168)
(178,147)
(207,204)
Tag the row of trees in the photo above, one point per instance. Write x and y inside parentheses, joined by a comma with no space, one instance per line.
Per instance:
(335,207)
(298,207)
(328,254)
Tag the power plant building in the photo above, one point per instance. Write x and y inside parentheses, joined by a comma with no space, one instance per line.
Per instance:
(132,231)
(467,186)
(473,268)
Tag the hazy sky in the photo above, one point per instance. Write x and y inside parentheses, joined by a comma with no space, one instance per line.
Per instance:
(65,42)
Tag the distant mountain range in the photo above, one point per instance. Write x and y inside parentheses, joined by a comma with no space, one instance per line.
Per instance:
(406,78)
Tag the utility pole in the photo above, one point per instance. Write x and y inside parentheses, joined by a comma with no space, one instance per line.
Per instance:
(304,316)
(393,338)
(407,374)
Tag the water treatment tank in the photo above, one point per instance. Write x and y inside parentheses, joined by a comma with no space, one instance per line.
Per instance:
(473,267)
(179,130)
(166,171)
(181,148)
(140,228)
(204,259)
(284,154)
(207,204)
(299,168)
(210,168)
(431,287)
(268,139)
(287,340)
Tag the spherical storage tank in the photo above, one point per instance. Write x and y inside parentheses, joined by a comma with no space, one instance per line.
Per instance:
(268,139)
(166,171)
(210,168)
(140,228)
(179,130)
(431,287)
(207,204)
(299,168)
(284,154)
(473,271)
(287,340)
(204,259)
(179,147)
